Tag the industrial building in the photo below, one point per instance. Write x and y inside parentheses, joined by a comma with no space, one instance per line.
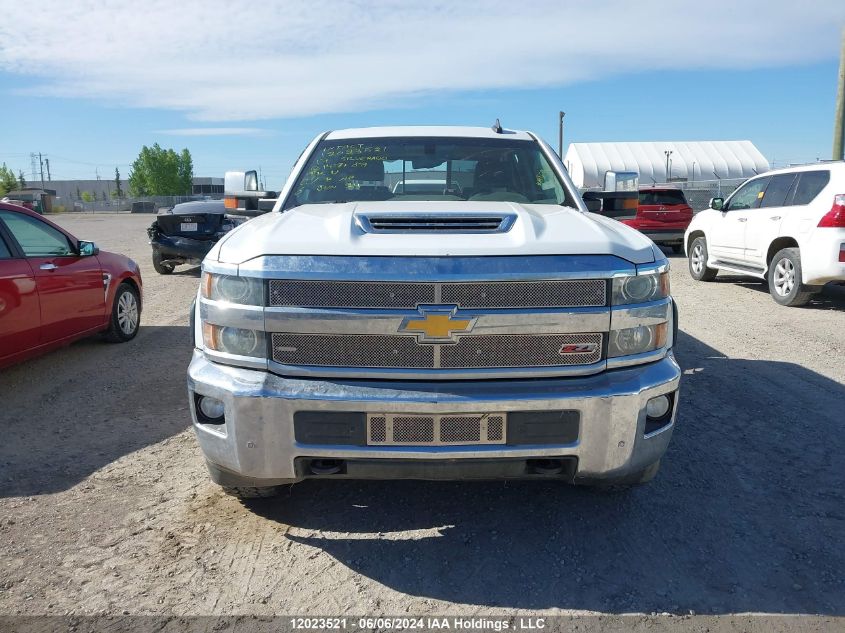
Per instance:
(664,161)
(69,191)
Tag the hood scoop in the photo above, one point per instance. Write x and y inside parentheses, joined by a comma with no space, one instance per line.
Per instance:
(434,222)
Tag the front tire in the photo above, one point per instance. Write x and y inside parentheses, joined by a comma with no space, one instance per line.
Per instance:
(784,277)
(125,314)
(160,267)
(698,256)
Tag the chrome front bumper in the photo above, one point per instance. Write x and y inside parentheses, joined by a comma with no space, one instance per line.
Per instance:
(257,440)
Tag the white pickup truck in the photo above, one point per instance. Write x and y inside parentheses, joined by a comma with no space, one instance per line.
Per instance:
(485,327)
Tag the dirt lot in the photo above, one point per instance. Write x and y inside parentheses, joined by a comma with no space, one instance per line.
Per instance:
(106,507)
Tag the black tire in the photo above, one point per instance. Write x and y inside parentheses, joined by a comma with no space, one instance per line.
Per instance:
(252,492)
(160,267)
(697,261)
(122,325)
(786,266)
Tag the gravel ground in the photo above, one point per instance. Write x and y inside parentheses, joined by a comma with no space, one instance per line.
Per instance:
(106,506)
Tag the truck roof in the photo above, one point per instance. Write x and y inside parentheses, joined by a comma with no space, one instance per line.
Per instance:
(441,131)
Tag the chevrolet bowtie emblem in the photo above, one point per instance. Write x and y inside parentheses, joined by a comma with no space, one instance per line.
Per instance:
(437,325)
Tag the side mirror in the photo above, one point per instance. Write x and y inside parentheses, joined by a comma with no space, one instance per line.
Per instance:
(251,180)
(717,203)
(87,249)
(593,204)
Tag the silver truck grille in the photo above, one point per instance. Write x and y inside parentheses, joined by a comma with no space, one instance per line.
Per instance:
(360,350)
(405,429)
(470,352)
(526,294)
(499,294)
(349,294)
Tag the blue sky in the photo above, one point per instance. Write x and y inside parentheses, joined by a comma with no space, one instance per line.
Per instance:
(87,108)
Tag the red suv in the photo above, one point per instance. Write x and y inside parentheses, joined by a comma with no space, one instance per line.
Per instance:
(663,215)
(55,289)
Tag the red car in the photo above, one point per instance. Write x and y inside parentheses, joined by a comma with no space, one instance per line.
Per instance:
(55,289)
(663,215)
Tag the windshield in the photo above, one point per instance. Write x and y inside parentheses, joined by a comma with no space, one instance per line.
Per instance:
(427,168)
(665,196)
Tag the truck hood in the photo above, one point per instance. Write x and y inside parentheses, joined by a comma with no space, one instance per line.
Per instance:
(331,229)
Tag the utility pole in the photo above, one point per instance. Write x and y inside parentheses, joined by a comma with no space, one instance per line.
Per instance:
(47,160)
(41,163)
(561,114)
(839,121)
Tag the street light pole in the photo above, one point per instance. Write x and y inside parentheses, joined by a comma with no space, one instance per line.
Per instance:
(561,114)
(839,120)
(668,153)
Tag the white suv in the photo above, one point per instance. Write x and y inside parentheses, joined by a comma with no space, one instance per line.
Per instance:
(785,226)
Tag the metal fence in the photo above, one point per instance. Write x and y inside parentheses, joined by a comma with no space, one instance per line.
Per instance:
(123,205)
(698,193)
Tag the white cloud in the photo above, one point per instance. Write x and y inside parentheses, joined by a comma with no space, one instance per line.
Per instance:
(213,131)
(233,60)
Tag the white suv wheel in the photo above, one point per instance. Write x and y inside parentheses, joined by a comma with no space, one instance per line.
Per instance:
(698,268)
(784,277)
(697,259)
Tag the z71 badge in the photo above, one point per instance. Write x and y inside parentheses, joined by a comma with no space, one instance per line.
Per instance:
(577,348)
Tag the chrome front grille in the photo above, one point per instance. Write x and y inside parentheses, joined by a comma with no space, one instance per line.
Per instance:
(385,429)
(332,350)
(498,294)
(517,350)
(526,294)
(470,352)
(349,294)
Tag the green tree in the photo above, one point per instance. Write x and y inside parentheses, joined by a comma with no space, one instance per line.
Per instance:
(118,192)
(8,180)
(161,172)
(87,196)
(186,172)
(21,180)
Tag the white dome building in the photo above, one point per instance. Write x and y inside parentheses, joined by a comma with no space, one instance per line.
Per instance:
(689,161)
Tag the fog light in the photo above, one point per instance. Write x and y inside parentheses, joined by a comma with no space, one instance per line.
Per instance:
(657,407)
(211,408)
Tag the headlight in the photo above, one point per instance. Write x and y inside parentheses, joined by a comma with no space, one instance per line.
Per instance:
(234,289)
(233,340)
(640,288)
(636,340)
